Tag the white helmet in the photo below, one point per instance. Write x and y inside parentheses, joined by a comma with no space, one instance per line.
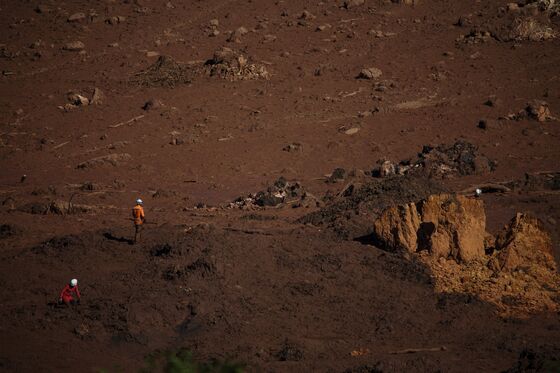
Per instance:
(73,282)
(139,201)
(478,192)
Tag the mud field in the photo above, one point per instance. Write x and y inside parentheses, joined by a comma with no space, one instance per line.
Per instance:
(291,156)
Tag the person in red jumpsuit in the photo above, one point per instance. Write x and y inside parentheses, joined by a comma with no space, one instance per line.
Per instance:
(70,295)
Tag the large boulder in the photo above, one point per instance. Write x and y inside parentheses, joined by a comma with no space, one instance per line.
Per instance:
(449,226)
(524,242)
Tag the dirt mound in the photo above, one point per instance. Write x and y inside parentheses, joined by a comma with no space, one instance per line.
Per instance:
(517,271)
(232,65)
(446,225)
(351,212)
(165,72)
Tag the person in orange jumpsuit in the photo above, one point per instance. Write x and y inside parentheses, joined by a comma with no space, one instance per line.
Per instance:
(139,218)
(70,295)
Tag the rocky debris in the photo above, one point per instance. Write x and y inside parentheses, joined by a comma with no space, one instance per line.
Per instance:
(111,159)
(293,147)
(369,73)
(74,46)
(115,20)
(349,4)
(281,192)
(380,34)
(338,174)
(77,17)
(386,168)
(442,161)
(232,65)
(407,2)
(530,29)
(236,35)
(523,242)
(59,207)
(97,97)
(535,110)
(475,37)
(530,25)
(448,226)
(307,15)
(351,212)
(165,72)
(77,99)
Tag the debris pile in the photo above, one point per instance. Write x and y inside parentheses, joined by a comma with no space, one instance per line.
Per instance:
(165,72)
(350,212)
(442,161)
(232,65)
(281,192)
(535,110)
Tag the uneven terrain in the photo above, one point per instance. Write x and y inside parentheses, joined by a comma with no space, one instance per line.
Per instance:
(265,139)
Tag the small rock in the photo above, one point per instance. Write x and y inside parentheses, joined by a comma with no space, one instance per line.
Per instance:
(77,99)
(352,131)
(269,38)
(74,46)
(113,45)
(115,20)
(293,147)
(349,4)
(214,22)
(153,104)
(512,7)
(306,15)
(482,124)
(77,17)
(152,54)
(370,73)
(236,35)
(97,97)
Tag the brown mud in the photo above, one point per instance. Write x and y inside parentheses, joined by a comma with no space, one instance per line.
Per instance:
(199,108)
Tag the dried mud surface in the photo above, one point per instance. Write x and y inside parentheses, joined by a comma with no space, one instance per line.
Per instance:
(199,107)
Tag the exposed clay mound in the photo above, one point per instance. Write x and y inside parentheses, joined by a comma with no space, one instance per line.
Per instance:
(523,242)
(232,65)
(448,226)
(442,161)
(351,212)
(165,72)
(447,233)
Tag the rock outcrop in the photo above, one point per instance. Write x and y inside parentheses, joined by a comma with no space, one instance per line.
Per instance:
(446,225)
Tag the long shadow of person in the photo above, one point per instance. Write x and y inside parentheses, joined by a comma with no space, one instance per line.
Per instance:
(112,237)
